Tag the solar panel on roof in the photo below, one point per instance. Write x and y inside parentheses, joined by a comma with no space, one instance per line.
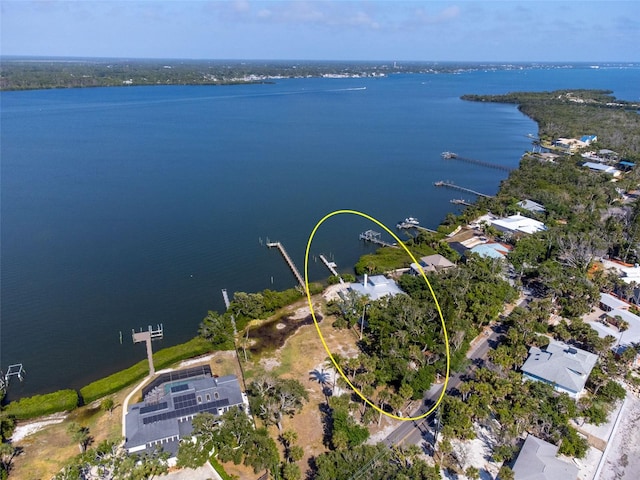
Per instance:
(180,388)
(153,408)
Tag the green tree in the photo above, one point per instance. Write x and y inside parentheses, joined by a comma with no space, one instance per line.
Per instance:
(272,398)
(291,471)
(573,444)
(80,435)
(505,473)
(107,405)
(217,329)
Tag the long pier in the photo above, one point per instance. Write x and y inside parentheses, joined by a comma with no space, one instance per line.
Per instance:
(452,185)
(455,156)
(460,201)
(287,258)
(374,237)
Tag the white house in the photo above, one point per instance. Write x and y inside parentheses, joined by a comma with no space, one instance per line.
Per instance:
(376,286)
(518,224)
(599,167)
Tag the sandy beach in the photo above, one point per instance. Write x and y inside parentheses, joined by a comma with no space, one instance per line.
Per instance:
(623,456)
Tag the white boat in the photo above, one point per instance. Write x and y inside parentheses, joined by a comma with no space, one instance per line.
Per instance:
(412,221)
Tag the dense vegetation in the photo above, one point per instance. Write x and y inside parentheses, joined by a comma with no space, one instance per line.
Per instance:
(231,437)
(587,218)
(374,462)
(573,113)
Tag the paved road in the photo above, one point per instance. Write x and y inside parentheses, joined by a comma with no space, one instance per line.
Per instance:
(416,431)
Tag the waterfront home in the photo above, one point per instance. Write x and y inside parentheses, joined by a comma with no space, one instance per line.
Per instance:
(518,224)
(569,145)
(431,263)
(538,460)
(375,287)
(563,366)
(170,403)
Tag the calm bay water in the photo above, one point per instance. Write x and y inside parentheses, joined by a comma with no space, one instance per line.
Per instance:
(126,207)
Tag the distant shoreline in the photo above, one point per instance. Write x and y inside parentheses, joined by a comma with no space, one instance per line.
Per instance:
(33,73)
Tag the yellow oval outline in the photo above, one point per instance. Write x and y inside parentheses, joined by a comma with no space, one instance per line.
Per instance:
(324,343)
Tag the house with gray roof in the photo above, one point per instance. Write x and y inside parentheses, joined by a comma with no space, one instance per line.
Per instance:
(563,366)
(537,460)
(165,414)
(531,206)
(610,302)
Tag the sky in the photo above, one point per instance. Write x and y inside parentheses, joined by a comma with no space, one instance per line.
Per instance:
(479,30)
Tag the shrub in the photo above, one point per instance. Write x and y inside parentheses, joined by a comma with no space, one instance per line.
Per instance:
(40,405)
(163,358)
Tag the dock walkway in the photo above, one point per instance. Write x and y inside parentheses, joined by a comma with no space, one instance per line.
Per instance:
(455,156)
(330,265)
(287,258)
(452,185)
(409,226)
(374,237)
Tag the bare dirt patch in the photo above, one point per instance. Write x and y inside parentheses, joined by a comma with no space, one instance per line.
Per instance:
(301,354)
(46,450)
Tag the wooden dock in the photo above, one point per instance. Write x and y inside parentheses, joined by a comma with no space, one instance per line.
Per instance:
(452,185)
(330,265)
(409,226)
(287,258)
(482,163)
(460,201)
(375,237)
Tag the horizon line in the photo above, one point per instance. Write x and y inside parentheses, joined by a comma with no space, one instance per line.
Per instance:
(202,59)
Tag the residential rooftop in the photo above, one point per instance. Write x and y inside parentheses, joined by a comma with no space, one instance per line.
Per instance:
(563,366)
(165,415)
(376,286)
(538,460)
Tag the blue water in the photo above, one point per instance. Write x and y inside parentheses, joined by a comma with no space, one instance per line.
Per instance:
(126,207)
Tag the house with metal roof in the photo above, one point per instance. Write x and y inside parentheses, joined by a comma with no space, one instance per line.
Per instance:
(610,302)
(518,224)
(563,366)
(531,206)
(166,413)
(599,167)
(538,460)
(376,286)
